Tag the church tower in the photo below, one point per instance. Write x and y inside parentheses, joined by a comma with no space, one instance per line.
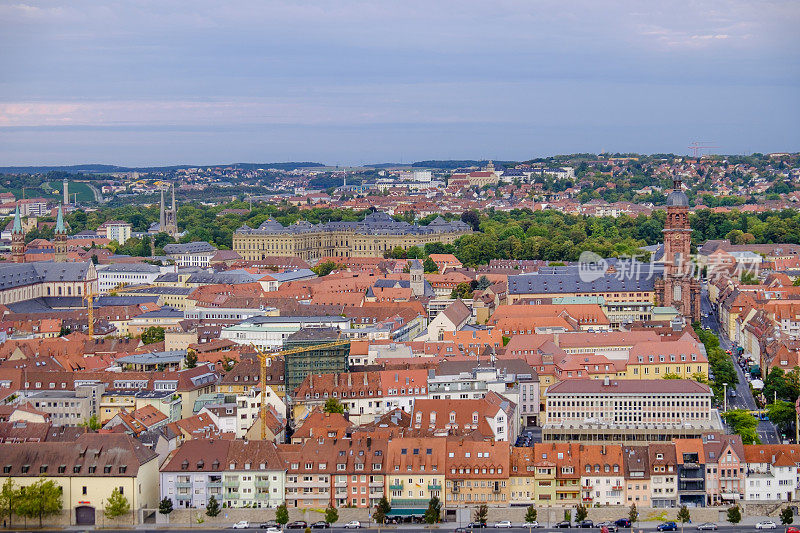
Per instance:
(170,225)
(60,239)
(679,287)
(417,277)
(17,239)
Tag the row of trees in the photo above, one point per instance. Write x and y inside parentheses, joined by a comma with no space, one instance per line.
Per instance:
(44,498)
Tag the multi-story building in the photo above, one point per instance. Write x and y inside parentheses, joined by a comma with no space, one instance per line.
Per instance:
(68,407)
(725,468)
(476,473)
(271,332)
(115,230)
(415,473)
(376,234)
(772,472)
(628,410)
(493,416)
(663,475)
(637,476)
(40,279)
(87,471)
(191,254)
(654,360)
(691,472)
(238,473)
(602,474)
(118,275)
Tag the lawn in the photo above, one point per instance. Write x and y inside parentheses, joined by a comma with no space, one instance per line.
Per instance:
(81,189)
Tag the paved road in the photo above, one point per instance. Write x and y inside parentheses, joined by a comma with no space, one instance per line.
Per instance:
(649,526)
(767,431)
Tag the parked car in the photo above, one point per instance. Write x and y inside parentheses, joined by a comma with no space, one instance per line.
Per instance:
(707,526)
(322,524)
(272,530)
(793,529)
(503,523)
(352,524)
(461,530)
(297,524)
(474,525)
(242,524)
(611,526)
(533,524)
(623,522)
(585,523)
(667,526)
(766,524)
(269,524)
(563,525)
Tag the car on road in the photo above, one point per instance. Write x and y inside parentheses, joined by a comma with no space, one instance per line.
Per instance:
(475,525)
(586,523)
(767,524)
(242,524)
(461,530)
(667,526)
(268,524)
(503,523)
(353,524)
(297,524)
(532,525)
(566,524)
(622,523)
(707,526)
(611,526)
(322,524)
(792,530)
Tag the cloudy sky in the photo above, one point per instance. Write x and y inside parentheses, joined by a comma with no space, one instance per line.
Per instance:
(344,81)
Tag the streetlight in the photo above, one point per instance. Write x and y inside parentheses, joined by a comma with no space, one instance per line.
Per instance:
(725,397)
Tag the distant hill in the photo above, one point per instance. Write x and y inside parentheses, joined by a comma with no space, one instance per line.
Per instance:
(104,169)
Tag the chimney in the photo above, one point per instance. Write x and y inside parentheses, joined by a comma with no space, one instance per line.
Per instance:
(603,450)
(336,380)
(311,380)
(349,380)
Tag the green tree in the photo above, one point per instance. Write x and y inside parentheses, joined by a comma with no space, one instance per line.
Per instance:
(153,334)
(325,268)
(433,511)
(93,423)
(191,358)
(9,496)
(165,506)
(331,515)
(429,266)
(333,405)
(212,507)
(782,414)
(671,375)
(481,513)
(684,516)
(743,424)
(40,500)
(117,505)
(734,515)
(462,290)
(282,514)
(381,510)
(531,514)
(581,513)
(633,515)
(787,516)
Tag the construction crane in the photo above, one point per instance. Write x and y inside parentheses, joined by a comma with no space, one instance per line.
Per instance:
(697,147)
(263,357)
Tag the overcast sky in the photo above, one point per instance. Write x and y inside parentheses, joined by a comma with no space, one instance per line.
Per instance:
(349,82)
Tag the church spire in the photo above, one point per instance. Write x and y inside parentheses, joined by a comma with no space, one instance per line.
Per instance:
(60,222)
(60,239)
(17,239)
(161,214)
(17,222)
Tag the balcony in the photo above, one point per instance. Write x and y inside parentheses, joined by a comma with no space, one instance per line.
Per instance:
(184,484)
(408,502)
(617,487)
(232,483)
(262,483)
(692,466)
(376,483)
(183,497)
(396,486)
(232,495)
(588,498)
(213,484)
(262,495)
(434,486)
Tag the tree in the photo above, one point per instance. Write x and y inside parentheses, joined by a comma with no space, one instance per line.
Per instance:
(473,218)
(116,505)
(684,516)
(481,513)
(782,414)
(743,424)
(40,500)
(331,515)
(734,514)
(434,509)
(165,507)
(325,268)
(93,423)
(787,516)
(429,266)
(333,405)
(191,358)
(581,513)
(212,507)
(382,509)
(462,290)
(282,514)
(633,515)
(153,334)
(671,375)
(531,514)
(9,495)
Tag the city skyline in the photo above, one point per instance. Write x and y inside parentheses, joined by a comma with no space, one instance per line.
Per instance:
(352,83)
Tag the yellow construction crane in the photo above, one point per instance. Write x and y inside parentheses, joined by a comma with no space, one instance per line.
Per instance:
(263,357)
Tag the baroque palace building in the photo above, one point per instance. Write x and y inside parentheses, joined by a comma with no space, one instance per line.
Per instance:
(371,237)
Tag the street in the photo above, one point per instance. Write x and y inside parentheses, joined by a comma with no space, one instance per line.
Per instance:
(420,528)
(743,399)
